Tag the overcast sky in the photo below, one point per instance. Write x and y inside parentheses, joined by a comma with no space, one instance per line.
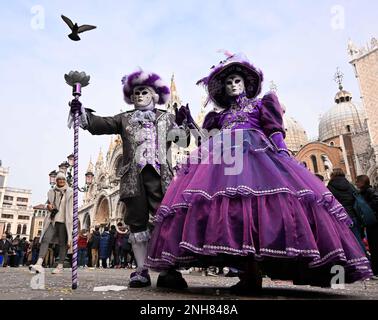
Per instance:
(298,44)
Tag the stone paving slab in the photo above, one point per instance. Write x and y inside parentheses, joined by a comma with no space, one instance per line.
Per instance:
(15,285)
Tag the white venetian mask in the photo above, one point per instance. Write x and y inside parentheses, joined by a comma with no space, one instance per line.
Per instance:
(143,97)
(234,85)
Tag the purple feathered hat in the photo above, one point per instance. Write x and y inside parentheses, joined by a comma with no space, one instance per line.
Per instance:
(143,78)
(235,63)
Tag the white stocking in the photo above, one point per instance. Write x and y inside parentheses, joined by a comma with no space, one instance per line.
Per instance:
(140,253)
(139,242)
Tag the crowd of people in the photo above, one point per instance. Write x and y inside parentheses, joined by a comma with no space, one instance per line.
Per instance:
(109,248)
(15,251)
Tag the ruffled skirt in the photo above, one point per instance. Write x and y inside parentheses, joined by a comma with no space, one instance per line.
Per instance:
(267,207)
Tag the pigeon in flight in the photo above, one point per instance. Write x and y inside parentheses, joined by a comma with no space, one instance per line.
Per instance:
(76,29)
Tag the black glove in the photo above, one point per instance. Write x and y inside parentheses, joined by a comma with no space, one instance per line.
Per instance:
(75,105)
(183,115)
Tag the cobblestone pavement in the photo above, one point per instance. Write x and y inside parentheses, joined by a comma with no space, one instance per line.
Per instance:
(15,284)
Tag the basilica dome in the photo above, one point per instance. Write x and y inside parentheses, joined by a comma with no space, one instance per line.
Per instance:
(343,118)
(296,136)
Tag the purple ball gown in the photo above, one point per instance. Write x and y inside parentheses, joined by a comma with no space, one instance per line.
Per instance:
(275,211)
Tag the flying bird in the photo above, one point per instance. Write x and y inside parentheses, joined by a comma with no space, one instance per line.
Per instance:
(76,29)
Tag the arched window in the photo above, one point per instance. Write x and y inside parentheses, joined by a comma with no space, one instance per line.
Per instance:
(315,163)
(18,229)
(24,227)
(348,128)
(304,163)
(87,222)
(8,228)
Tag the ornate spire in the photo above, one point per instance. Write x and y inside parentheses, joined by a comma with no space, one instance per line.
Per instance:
(174,99)
(90,165)
(100,158)
(173,85)
(111,146)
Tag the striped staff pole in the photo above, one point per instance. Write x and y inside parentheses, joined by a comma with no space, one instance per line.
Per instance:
(77,80)
(75,231)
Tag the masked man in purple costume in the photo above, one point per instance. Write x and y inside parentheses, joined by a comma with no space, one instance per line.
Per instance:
(147,133)
(274,215)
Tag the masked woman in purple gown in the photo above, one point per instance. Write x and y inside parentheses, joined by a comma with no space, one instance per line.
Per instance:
(243,201)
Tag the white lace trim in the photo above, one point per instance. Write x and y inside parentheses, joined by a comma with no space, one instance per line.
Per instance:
(339,252)
(248,248)
(247,190)
(274,133)
(262,149)
(358,260)
(221,249)
(172,259)
(165,253)
(288,250)
(143,236)
(324,195)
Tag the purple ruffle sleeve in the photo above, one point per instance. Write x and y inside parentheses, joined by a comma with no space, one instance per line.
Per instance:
(211,121)
(272,122)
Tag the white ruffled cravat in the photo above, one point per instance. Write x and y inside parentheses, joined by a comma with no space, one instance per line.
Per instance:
(143,116)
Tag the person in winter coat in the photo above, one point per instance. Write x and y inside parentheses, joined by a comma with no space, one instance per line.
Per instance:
(95,245)
(5,246)
(20,250)
(113,235)
(13,250)
(120,254)
(28,253)
(82,248)
(341,188)
(58,225)
(104,247)
(371,197)
(89,250)
(128,251)
(35,249)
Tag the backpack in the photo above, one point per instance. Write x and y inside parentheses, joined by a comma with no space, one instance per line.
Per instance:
(363,209)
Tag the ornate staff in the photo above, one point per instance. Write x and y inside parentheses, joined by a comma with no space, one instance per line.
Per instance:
(76,80)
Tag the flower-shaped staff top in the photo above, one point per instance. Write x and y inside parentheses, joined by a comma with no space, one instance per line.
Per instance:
(77,80)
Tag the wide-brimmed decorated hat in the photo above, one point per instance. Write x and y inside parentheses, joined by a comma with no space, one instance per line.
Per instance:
(235,63)
(144,78)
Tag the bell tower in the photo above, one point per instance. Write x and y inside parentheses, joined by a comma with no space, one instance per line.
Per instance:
(174,100)
(365,63)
